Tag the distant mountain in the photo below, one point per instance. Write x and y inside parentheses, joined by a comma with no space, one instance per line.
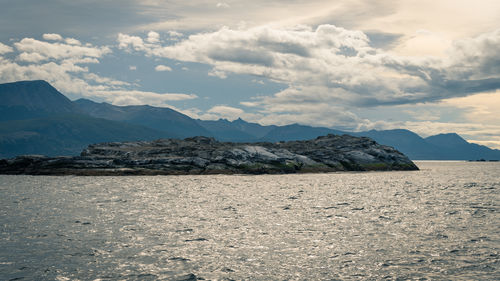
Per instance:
(236,131)
(438,147)
(66,134)
(405,141)
(158,118)
(447,140)
(253,129)
(37,119)
(454,147)
(225,130)
(31,99)
(242,131)
(298,132)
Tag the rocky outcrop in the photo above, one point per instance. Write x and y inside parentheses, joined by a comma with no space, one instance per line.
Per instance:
(202,155)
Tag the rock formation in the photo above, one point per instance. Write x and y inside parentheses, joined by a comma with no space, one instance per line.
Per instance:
(203,155)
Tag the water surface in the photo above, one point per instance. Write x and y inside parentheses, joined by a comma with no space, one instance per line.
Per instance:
(442,222)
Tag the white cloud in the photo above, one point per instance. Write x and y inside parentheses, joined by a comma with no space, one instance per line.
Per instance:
(59,51)
(163,68)
(217,73)
(222,5)
(5,49)
(134,97)
(31,57)
(72,41)
(52,37)
(112,83)
(135,42)
(153,37)
(174,34)
(222,111)
(226,111)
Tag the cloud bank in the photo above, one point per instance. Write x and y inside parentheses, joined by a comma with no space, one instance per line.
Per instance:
(333,66)
(331,75)
(63,62)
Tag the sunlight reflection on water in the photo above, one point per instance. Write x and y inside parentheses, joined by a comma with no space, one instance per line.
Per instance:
(440,222)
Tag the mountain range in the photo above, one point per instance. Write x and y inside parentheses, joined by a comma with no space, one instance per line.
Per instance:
(35,118)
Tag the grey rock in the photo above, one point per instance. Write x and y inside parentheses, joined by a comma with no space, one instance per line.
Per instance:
(203,155)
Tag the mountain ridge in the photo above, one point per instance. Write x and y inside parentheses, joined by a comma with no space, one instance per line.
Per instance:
(38,101)
(157,118)
(35,118)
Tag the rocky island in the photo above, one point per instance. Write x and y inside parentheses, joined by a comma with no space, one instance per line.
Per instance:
(203,155)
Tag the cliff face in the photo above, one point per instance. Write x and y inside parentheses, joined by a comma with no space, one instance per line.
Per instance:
(202,155)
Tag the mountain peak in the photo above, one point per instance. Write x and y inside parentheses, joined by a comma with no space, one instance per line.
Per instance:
(30,82)
(239,121)
(223,120)
(446,139)
(447,135)
(36,95)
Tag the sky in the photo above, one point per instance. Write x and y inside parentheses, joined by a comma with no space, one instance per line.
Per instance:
(427,66)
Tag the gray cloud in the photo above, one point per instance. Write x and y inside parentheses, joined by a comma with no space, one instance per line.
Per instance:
(383,40)
(337,66)
(196,15)
(80,18)
(241,55)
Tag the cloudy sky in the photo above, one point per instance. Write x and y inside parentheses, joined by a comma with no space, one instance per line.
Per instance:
(428,66)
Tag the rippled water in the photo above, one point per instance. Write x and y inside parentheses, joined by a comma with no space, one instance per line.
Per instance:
(442,222)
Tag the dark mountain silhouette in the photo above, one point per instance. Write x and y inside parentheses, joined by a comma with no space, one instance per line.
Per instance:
(237,130)
(158,118)
(30,99)
(438,147)
(66,134)
(451,139)
(298,132)
(454,147)
(242,131)
(253,129)
(37,119)
(225,130)
(405,141)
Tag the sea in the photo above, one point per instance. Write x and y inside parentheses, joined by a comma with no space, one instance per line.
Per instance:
(439,223)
